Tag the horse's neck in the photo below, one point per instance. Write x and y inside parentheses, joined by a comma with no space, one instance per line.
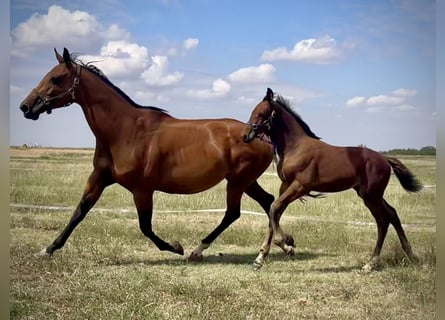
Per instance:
(288,134)
(106,111)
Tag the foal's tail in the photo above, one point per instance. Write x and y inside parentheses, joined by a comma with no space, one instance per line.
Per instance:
(406,178)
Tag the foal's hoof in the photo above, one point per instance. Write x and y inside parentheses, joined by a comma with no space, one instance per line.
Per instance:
(177,248)
(195,257)
(257,266)
(42,253)
(290,252)
(289,240)
(372,265)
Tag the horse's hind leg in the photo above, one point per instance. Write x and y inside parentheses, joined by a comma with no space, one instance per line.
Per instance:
(384,214)
(96,183)
(144,205)
(395,221)
(233,212)
(378,211)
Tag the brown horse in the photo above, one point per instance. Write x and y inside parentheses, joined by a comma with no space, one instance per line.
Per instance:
(144,149)
(308,164)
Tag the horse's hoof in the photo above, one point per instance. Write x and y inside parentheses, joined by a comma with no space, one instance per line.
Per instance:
(42,253)
(289,240)
(290,252)
(367,268)
(257,266)
(195,257)
(177,248)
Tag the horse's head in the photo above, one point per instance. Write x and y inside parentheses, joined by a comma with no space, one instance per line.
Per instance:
(55,90)
(261,118)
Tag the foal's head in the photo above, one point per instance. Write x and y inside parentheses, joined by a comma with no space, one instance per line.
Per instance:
(55,90)
(260,121)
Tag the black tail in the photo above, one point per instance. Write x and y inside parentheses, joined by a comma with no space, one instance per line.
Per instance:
(406,178)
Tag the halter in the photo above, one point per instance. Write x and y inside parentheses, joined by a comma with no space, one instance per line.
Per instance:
(264,128)
(46,100)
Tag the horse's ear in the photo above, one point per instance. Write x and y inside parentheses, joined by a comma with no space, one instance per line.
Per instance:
(66,56)
(269,95)
(58,56)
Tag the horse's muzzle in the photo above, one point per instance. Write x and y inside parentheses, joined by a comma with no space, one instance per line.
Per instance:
(249,136)
(28,112)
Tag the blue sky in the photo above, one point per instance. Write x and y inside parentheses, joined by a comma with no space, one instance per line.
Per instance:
(358,72)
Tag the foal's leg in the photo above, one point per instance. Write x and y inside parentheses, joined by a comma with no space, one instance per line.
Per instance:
(378,211)
(96,183)
(233,212)
(265,199)
(395,221)
(144,205)
(288,193)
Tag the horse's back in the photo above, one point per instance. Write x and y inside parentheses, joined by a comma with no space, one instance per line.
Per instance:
(196,154)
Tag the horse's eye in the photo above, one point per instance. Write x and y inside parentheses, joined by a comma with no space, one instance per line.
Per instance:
(55,80)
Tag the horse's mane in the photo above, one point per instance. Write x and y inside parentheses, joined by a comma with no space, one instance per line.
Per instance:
(94,69)
(285,104)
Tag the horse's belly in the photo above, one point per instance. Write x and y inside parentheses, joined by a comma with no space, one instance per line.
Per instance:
(190,179)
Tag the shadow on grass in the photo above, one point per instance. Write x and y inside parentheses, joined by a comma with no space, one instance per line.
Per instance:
(217,259)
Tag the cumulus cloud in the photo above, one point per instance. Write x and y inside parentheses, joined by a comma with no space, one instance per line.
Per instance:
(120,58)
(148,98)
(355,102)
(378,103)
(61,27)
(262,73)
(404,92)
(323,50)
(220,88)
(190,43)
(384,100)
(157,74)
(246,100)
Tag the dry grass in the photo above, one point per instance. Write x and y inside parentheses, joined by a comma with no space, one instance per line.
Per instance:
(109,270)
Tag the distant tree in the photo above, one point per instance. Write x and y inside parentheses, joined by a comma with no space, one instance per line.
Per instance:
(428,150)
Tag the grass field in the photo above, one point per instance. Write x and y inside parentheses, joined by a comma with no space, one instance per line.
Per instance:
(109,270)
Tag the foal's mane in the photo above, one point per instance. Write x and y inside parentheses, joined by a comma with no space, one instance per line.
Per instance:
(94,69)
(285,104)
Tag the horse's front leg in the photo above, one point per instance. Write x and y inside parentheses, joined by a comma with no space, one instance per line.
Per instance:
(144,205)
(96,183)
(233,212)
(288,193)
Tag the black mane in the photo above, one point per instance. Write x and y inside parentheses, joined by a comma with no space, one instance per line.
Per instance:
(104,78)
(285,104)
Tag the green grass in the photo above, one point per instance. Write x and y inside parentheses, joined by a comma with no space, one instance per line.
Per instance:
(109,270)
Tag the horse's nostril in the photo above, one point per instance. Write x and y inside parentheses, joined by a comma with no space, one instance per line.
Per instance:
(24,108)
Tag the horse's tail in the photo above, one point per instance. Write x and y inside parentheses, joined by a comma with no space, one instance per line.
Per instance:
(406,178)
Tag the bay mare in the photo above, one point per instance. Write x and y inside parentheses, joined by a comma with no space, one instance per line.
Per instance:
(308,164)
(144,149)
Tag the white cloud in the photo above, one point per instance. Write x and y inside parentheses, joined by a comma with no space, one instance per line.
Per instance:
(377,103)
(322,50)
(355,102)
(157,74)
(246,100)
(15,89)
(384,100)
(405,107)
(220,88)
(190,43)
(148,98)
(404,92)
(120,58)
(61,27)
(262,73)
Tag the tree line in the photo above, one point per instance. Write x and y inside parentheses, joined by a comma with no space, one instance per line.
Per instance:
(424,151)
